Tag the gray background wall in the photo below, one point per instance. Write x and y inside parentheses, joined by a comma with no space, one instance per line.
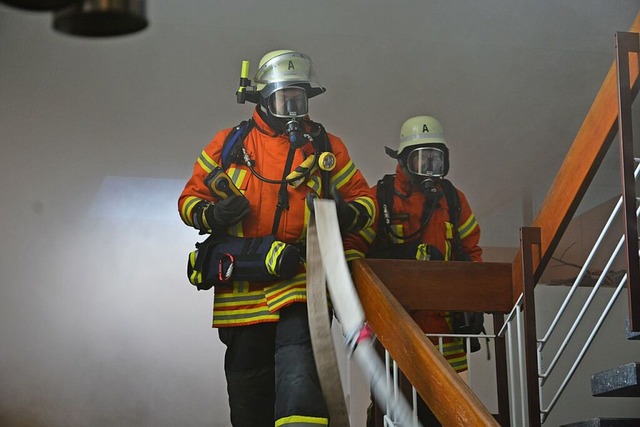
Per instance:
(98,325)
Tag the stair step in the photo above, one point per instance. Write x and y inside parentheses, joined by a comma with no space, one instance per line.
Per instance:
(606,422)
(619,382)
(631,335)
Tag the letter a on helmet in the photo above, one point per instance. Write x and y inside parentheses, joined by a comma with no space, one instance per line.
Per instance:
(285,68)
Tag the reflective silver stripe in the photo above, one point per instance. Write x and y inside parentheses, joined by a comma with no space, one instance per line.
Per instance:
(344,175)
(206,162)
(465,229)
(422,136)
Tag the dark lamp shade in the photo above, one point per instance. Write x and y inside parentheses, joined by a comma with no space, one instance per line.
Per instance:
(101,18)
(38,5)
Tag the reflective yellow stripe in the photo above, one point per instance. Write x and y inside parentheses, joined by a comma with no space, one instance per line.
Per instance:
(344,175)
(369,234)
(370,206)
(240,286)
(271,259)
(206,162)
(465,229)
(298,294)
(237,176)
(447,250)
(398,231)
(286,292)
(187,207)
(196,276)
(351,254)
(236,229)
(459,365)
(301,420)
(231,298)
(237,319)
(422,254)
(448,230)
(315,183)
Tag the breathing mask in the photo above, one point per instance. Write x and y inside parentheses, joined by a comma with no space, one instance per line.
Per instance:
(289,104)
(425,166)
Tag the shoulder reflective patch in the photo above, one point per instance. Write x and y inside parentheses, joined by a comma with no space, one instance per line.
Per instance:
(206,162)
(344,175)
(465,229)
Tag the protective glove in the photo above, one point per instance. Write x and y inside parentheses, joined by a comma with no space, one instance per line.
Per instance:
(222,214)
(352,216)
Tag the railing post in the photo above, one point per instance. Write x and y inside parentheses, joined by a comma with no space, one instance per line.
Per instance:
(530,236)
(502,377)
(625,44)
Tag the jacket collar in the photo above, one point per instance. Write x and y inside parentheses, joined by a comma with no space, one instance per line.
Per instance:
(402,182)
(262,125)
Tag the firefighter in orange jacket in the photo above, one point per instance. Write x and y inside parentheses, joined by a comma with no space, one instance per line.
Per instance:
(278,161)
(416,219)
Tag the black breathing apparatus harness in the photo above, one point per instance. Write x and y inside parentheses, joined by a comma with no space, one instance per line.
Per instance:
(234,152)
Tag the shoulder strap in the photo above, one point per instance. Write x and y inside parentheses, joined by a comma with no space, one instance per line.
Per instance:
(232,145)
(322,144)
(453,200)
(384,194)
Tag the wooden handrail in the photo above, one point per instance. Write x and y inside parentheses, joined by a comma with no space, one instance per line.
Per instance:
(478,286)
(577,171)
(447,395)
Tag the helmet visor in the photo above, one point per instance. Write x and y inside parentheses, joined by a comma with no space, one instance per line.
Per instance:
(289,102)
(426,161)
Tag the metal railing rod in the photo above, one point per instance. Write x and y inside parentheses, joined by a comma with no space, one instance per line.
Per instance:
(512,374)
(511,314)
(580,316)
(586,346)
(521,366)
(587,263)
(462,336)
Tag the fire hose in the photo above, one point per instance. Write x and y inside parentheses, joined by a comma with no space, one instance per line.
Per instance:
(326,264)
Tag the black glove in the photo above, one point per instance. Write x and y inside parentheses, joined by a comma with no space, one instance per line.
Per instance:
(226,212)
(352,216)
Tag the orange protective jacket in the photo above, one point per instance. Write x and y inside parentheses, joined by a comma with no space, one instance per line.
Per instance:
(243,303)
(405,220)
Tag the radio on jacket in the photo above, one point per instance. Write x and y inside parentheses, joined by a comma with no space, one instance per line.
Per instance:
(220,185)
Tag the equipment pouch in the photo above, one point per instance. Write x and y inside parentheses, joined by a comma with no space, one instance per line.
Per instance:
(468,323)
(222,259)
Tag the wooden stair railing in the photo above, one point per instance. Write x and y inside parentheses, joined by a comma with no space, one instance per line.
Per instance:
(387,289)
(578,169)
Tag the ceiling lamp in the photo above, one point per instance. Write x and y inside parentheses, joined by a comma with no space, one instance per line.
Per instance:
(37,5)
(101,18)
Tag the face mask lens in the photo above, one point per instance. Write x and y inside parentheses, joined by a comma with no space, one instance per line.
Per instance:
(426,162)
(289,102)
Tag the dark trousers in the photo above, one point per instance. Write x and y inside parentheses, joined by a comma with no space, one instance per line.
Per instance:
(270,370)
